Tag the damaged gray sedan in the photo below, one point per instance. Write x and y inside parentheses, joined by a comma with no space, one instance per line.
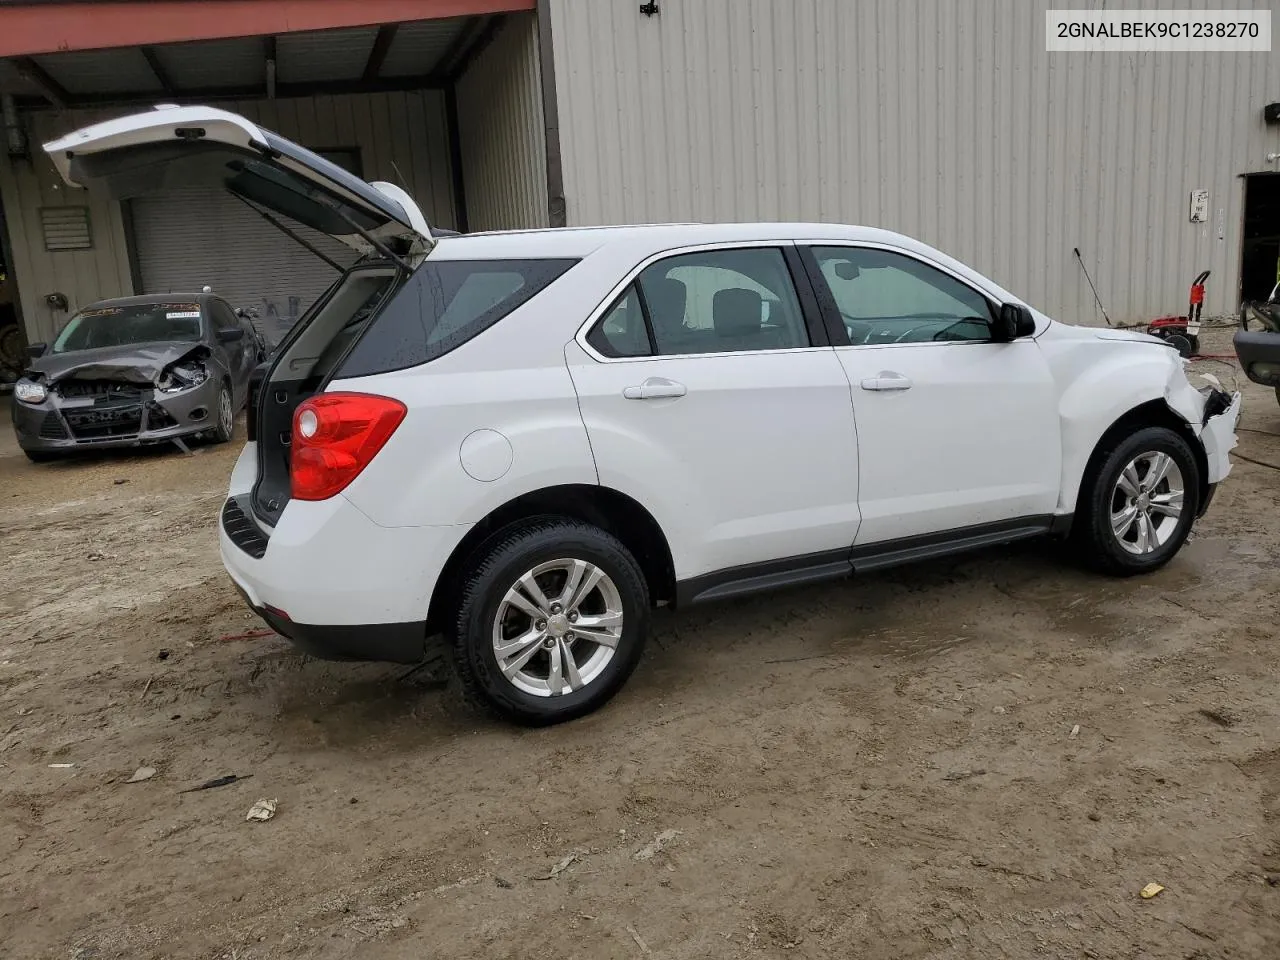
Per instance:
(135,371)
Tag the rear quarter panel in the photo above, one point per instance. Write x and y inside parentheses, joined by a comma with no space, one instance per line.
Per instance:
(418,478)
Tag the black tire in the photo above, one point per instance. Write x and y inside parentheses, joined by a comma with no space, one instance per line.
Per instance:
(1181,343)
(1195,345)
(224,429)
(1092,532)
(1277,394)
(40,456)
(502,562)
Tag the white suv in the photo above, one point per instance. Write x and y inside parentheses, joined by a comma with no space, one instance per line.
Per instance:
(526,441)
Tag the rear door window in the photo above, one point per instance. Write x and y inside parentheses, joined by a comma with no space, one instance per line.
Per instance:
(445,304)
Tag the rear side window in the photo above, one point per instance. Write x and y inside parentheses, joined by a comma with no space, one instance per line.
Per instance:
(445,304)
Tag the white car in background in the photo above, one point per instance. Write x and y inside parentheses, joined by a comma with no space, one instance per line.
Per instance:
(525,441)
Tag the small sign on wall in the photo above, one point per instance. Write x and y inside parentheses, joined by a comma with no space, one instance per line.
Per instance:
(1199,206)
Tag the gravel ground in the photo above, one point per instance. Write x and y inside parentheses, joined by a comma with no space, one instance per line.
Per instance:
(981,757)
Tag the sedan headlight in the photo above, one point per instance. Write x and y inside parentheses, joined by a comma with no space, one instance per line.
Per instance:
(183,376)
(28,391)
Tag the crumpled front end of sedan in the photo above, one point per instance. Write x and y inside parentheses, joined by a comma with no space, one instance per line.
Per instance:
(117,404)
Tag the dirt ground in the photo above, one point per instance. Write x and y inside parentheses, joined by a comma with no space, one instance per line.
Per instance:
(886,768)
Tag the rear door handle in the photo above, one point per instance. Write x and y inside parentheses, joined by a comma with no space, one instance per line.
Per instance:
(655,388)
(888,380)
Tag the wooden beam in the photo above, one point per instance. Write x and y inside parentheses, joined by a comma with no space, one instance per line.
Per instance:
(162,75)
(32,28)
(378,52)
(49,88)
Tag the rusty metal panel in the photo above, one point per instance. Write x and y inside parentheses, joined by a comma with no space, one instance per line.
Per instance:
(943,119)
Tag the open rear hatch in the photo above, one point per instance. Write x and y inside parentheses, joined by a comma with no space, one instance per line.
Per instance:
(170,147)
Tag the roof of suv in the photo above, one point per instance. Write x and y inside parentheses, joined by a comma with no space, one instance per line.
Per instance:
(581,241)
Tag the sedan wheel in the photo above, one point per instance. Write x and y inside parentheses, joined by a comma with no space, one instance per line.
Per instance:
(226,425)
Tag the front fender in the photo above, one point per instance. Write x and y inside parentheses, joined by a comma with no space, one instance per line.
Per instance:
(1106,380)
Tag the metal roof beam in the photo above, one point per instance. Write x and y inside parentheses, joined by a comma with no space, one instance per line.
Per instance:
(162,76)
(378,52)
(283,91)
(49,88)
(33,28)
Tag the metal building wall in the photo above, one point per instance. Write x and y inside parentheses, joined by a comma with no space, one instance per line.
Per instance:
(500,125)
(402,138)
(943,119)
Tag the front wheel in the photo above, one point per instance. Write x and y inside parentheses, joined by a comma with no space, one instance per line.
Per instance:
(552,621)
(225,428)
(1138,506)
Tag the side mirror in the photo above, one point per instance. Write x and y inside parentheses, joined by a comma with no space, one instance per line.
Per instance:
(230,335)
(1014,321)
(37,349)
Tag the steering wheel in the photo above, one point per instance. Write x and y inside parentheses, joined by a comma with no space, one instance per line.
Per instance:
(858,328)
(963,321)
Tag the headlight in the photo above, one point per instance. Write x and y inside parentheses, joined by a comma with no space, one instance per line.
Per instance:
(28,391)
(183,376)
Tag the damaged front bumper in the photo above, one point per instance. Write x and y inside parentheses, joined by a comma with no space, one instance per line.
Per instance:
(1218,435)
(113,414)
(1212,414)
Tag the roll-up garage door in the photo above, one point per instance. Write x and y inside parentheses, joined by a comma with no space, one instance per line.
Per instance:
(194,237)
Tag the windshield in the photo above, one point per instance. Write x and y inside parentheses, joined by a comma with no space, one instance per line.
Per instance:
(124,326)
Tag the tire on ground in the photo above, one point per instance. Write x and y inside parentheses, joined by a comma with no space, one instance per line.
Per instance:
(221,432)
(503,561)
(1096,540)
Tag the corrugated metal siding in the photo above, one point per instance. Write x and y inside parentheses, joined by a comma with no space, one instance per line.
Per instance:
(81,275)
(402,139)
(942,119)
(500,125)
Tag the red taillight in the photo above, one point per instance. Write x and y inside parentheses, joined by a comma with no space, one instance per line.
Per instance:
(335,435)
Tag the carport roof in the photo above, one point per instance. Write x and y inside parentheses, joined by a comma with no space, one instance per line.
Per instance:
(367,58)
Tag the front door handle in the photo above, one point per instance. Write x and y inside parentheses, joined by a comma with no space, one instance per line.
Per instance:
(655,388)
(887,380)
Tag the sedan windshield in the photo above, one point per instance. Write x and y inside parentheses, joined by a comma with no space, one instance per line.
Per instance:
(122,326)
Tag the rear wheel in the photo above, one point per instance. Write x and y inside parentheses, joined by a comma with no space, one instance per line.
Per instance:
(552,621)
(225,427)
(1138,507)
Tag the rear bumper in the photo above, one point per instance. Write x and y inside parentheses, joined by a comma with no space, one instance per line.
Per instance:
(387,642)
(333,581)
(1255,347)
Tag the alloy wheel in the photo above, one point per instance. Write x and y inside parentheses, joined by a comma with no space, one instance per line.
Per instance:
(1147,502)
(226,416)
(557,627)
